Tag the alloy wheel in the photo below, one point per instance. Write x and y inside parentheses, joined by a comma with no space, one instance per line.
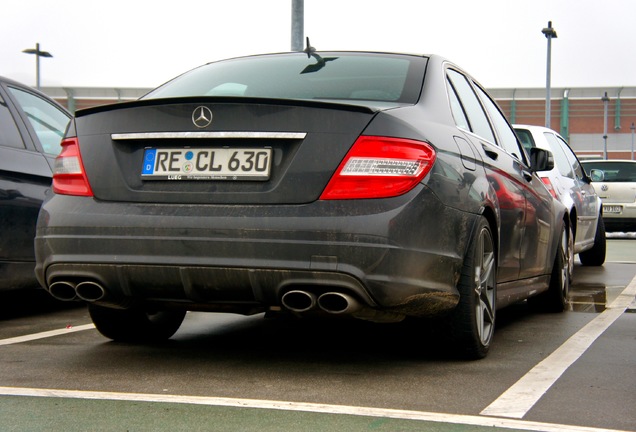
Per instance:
(485,286)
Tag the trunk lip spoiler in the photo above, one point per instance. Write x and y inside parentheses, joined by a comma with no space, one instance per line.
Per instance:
(369,107)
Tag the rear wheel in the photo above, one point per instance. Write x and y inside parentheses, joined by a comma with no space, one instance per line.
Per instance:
(135,324)
(569,256)
(473,320)
(555,298)
(596,255)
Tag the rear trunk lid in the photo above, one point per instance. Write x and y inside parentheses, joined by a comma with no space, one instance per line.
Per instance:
(618,192)
(216,150)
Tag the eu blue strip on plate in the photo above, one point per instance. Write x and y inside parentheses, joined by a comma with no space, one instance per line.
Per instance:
(149,161)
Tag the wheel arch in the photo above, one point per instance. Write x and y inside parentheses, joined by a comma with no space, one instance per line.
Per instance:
(573,220)
(563,224)
(491,217)
(561,220)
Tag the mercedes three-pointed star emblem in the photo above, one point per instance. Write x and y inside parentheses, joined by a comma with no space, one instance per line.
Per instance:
(202,117)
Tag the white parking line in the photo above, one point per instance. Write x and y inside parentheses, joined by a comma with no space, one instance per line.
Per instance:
(512,404)
(299,406)
(521,397)
(46,334)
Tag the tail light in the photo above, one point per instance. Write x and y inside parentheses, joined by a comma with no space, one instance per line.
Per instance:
(549,186)
(380,167)
(69,176)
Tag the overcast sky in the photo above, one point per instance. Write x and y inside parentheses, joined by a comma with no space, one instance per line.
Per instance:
(142,43)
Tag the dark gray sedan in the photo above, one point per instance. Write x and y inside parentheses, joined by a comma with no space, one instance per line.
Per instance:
(379,186)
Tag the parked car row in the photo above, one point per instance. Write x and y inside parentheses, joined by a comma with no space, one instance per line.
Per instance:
(370,185)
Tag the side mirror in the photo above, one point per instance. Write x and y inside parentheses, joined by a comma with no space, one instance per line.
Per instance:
(541,160)
(597,175)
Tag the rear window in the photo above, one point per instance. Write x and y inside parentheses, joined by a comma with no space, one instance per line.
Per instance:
(613,171)
(331,76)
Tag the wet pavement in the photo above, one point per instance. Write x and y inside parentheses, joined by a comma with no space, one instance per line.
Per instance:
(230,373)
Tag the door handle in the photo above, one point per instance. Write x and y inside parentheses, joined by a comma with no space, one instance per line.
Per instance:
(489,152)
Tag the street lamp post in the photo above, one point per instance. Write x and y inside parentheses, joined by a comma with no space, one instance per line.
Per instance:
(298,25)
(550,33)
(605,100)
(38,54)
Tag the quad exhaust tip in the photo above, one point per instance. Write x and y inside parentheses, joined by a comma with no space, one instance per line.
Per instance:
(90,291)
(299,301)
(338,303)
(68,291)
(330,302)
(63,290)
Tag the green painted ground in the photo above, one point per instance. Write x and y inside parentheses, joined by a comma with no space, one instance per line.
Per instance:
(28,414)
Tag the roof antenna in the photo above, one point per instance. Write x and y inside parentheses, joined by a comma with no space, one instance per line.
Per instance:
(320,62)
(309,50)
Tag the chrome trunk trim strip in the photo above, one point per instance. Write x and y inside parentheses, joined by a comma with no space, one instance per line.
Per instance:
(213,135)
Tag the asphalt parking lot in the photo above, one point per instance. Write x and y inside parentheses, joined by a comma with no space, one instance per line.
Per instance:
(571,371)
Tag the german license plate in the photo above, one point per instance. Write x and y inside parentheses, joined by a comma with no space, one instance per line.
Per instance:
(207,164)
(614,209)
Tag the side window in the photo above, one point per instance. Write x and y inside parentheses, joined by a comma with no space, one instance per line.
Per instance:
(456,108)
(474,112)
(507,137)
(560,159)
(9,134)
(574,161)
(48,121)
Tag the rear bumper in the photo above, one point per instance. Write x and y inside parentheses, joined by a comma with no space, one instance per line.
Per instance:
(625,220)
(619,224)
(390,254)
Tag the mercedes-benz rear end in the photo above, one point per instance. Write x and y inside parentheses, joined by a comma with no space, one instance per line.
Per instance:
(238,188)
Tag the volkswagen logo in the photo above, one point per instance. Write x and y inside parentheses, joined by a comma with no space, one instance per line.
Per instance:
(202,117)
(604,188)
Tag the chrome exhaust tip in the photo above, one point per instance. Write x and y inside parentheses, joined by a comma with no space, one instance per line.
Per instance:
(90,291)
(299,301)
(338,303)
(63,290)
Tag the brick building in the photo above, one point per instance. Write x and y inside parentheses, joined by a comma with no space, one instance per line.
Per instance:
(577,113)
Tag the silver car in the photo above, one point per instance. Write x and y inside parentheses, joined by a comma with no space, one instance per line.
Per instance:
(616,182)
(569,183)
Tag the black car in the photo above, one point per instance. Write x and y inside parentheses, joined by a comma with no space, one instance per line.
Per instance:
(380,186)
(31,128)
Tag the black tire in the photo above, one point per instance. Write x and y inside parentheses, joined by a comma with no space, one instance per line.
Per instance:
(596,255)
(569,262)
(472,323)
(136,324)
(555,298)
